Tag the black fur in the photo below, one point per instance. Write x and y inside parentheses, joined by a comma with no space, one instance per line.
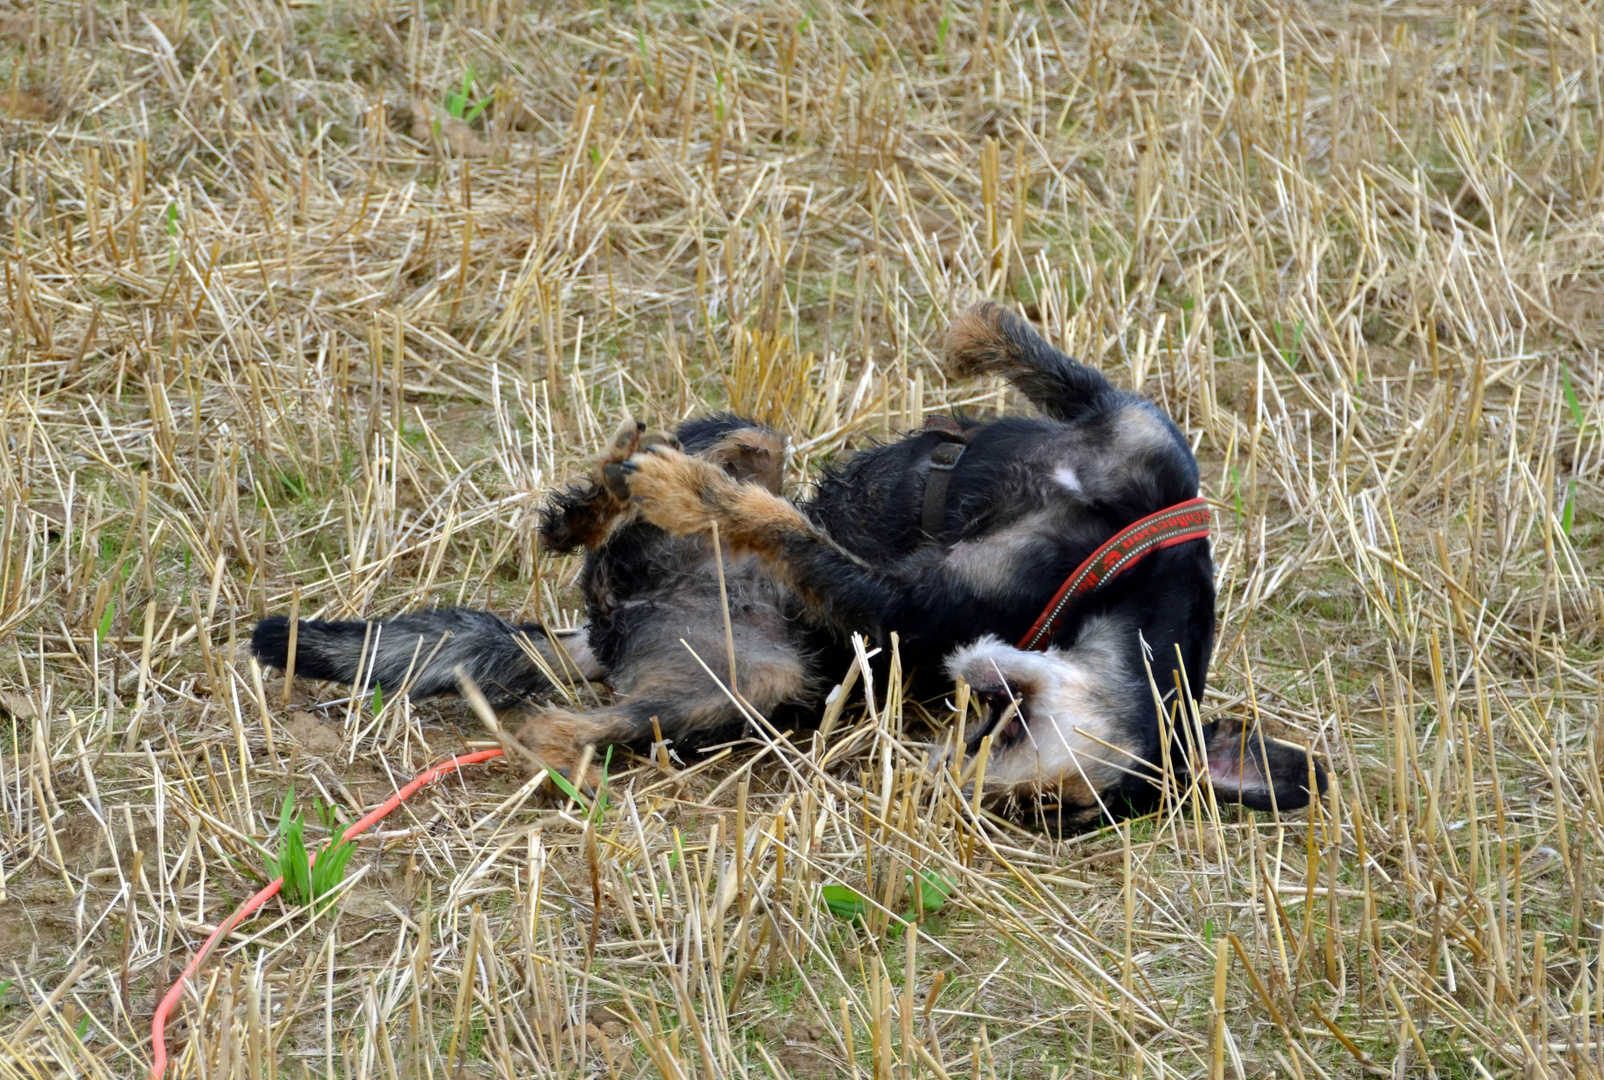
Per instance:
(427,644)
(1075,733)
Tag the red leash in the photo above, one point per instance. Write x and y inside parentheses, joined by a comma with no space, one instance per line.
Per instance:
(158,1024)
(1176,525)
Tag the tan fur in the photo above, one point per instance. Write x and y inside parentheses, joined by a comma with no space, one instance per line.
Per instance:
(558,737)
(762,683)
(626,440)
(976,342)
(1070,790)
(678,493)
(685,495)
(755,457)
(768,684)
(758,521)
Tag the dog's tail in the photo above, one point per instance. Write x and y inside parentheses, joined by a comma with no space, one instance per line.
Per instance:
(990,339)
(419,653)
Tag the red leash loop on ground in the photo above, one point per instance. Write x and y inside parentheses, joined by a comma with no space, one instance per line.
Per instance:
(1177,524)
(158,1023)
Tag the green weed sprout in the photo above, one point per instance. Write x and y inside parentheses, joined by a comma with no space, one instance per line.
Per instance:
(305,882)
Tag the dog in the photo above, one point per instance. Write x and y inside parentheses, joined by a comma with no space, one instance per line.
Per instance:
(1080,732)
(655,621)
(954,552)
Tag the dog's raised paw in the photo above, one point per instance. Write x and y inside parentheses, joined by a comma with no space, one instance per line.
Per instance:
(631,439)
(674,492)
(627,439)
(658,440)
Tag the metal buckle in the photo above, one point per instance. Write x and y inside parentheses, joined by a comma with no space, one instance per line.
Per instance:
(946,455)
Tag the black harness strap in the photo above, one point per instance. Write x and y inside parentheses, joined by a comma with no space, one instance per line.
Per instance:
(943,459)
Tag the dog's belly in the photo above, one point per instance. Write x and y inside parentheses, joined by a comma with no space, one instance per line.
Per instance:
(683,627)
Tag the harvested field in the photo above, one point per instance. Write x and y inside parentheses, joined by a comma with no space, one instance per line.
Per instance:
(307,306)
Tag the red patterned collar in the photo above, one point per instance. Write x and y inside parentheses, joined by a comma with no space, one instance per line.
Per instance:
(1176,525)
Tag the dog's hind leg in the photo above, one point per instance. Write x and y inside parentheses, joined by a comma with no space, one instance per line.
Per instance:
(682,705)
(1130,453)
(990,339)
(558,736)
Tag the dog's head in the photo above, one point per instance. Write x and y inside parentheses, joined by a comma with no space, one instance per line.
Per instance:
(751,452)
(1078,729)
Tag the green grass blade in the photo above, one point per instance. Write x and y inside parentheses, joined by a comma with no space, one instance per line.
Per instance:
(104,629)
(284,811)
(843,902)
(566,786)
(293,865)
(934,889)
(1570,396)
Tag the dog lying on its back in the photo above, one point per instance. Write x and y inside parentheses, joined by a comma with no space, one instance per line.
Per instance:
(1075,728)
(651,600)
(1077,734)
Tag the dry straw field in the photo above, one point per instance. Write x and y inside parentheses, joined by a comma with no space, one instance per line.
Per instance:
(309,304)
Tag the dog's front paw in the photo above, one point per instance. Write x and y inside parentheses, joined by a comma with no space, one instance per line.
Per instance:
(632,438)
(678,494)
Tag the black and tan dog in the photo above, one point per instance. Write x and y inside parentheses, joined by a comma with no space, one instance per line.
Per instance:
(955,552)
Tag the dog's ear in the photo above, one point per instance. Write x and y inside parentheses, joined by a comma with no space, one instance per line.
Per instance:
(752,456)
(1246,766)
